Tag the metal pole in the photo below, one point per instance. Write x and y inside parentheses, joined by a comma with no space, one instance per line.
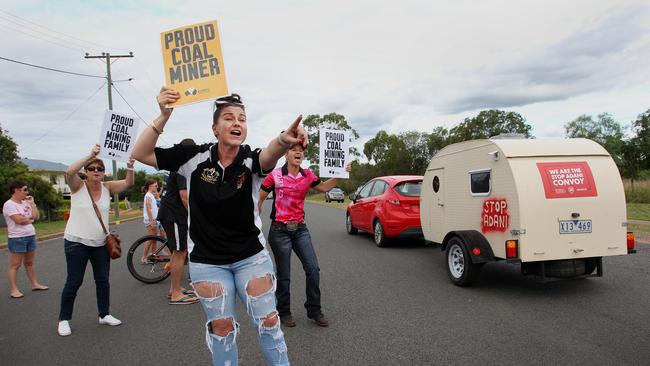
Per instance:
(107,56)
(116,197)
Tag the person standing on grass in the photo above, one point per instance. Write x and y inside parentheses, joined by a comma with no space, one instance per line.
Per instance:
(173,218)
(20,212)
(84,237)
(288,231)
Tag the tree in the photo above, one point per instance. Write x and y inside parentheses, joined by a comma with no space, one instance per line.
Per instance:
(135,193)
(631,162)
(438,139)
(406,153)
(641,126)
(12,169)
(605,131)
(334,121)
(490,123)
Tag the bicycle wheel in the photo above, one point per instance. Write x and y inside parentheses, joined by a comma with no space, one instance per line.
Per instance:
(152,266)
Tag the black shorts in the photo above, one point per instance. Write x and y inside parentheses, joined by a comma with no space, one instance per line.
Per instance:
(176,235)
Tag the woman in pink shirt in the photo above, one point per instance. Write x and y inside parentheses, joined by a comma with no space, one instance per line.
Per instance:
(20,212)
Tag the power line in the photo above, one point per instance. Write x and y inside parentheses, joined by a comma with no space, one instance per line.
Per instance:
(43,33)
(52,30)
(136,113)
(51,69)
(43,39)
(68,116)
(127,103)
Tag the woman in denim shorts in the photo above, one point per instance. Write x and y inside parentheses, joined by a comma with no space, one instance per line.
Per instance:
(228,255)
(20,212)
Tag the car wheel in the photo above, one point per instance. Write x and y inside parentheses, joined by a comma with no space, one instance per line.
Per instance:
(461,270)
(348,225)
(381,240)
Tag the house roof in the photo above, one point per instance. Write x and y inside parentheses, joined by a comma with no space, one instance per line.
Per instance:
(43,165)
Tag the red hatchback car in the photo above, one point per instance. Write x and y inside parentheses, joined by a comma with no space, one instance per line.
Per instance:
(388,207)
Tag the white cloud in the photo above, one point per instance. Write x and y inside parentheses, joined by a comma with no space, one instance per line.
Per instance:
(410,65)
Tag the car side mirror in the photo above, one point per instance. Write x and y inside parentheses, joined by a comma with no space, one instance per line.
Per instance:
(353,197)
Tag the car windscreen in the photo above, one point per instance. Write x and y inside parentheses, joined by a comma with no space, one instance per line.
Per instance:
(409,188)
(336,190)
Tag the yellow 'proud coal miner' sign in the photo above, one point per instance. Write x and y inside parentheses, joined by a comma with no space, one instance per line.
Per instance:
(193,62)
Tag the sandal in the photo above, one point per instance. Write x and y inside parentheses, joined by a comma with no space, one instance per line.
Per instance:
(185,300)
(185,292)
(40,288)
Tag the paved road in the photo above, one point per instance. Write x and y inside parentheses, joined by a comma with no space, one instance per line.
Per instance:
(386,306)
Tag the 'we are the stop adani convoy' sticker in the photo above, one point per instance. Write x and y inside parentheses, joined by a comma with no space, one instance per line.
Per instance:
(334,150)
(118,135)
(567,179)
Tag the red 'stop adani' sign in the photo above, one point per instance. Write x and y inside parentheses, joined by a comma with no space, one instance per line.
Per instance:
(567,179)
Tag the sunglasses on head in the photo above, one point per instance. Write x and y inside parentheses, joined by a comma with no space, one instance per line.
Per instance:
(95,169)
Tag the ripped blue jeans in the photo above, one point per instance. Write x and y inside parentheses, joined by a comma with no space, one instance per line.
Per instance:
(253,280)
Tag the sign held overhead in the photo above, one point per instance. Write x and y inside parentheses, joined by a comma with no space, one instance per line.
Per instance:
(334,150)
(117,136)
(194,63)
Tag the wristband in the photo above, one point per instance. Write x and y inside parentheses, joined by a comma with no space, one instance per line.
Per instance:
(284,144)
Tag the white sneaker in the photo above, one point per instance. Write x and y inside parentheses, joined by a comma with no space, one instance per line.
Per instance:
(110,320)
(64,328)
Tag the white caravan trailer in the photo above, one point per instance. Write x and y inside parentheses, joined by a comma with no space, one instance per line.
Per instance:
(554,206)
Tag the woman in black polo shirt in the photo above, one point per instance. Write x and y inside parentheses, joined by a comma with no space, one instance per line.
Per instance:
(228,254)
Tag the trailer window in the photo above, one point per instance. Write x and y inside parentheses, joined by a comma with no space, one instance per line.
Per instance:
(479,183)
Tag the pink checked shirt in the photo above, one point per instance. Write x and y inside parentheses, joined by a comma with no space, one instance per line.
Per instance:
(289,193)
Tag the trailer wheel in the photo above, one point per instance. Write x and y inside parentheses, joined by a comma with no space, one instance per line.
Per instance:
(461,270)
(590,265)
(348,225)
(380,236)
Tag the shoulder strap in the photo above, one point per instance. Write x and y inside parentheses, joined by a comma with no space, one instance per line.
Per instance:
(99,215)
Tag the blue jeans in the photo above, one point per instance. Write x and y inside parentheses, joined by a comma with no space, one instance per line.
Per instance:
(216,287)
(77,256)
(22,244)
(282,242)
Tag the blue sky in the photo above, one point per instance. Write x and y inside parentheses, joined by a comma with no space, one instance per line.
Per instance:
(412,65)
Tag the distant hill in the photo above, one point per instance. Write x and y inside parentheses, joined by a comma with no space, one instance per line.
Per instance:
(44,165)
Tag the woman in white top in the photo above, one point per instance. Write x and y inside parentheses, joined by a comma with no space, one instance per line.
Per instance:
(150,214)
(84,237)
(20,212)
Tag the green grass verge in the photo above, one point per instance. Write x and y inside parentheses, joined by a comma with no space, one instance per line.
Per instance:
(638,211)
(45,228)
(320,199)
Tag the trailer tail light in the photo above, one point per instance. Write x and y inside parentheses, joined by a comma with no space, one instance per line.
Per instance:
(630,242)
(476,251)
(512,249)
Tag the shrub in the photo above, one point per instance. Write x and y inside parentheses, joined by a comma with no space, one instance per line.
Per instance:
(639,194)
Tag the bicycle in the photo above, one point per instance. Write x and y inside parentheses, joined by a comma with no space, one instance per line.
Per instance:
(155,266)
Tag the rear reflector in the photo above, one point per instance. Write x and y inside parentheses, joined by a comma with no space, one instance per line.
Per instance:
(511,249)
(630,240)
(476,251)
